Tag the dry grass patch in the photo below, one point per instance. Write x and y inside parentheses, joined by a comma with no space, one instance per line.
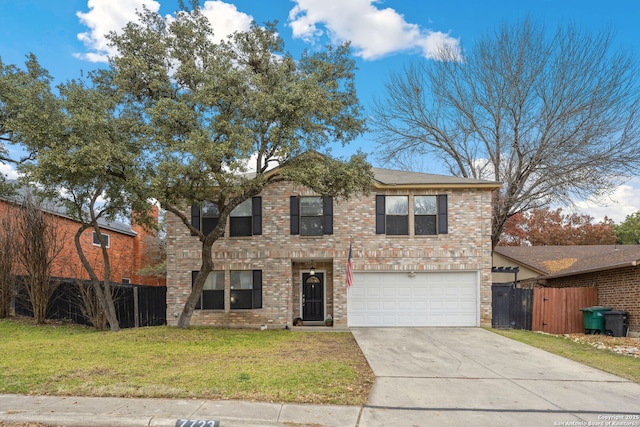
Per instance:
(174,363)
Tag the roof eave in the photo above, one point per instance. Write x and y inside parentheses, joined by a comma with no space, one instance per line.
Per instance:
(522,264)
(482,186)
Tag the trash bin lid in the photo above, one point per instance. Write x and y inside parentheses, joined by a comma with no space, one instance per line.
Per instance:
(596,308)
(617,312)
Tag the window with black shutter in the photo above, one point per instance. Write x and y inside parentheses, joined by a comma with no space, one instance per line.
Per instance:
(430,215)
(241,218)
(212,296)
(397,215)
(311,216)
(205,217)
(426,213)
(246,289)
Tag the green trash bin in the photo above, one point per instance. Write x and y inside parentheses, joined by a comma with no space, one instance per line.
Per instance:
(594,319)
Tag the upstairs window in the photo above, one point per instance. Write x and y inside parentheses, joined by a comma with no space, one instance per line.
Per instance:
(311,216)
(105,239)
(392,215)
(205,217)
(429,215)
(426,213)
(246,218)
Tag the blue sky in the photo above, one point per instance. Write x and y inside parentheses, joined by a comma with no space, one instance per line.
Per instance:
(67,37)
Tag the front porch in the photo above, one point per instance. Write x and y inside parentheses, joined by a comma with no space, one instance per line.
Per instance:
(312,292)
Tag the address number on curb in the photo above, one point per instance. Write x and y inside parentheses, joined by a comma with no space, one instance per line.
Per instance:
(197,423)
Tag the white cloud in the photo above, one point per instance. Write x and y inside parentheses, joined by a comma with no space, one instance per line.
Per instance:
(624,201)
(8,171)
(373,32)
(112,15)
(105,16)
(225,18)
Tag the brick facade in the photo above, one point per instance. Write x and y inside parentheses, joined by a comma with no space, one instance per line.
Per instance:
(126,251)
(283,257)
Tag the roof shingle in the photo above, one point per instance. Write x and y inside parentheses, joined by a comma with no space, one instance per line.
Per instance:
(558,261)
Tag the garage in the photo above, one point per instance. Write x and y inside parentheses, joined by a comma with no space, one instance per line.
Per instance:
(408,299)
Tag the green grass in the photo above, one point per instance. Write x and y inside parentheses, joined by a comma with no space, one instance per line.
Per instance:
(209,363)
(605,360)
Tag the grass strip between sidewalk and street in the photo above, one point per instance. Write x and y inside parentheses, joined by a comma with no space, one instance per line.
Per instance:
(167,362)
(606,360)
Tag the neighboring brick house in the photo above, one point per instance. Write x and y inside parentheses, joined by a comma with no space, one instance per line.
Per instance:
(613,269)
(125,245)
(421,246)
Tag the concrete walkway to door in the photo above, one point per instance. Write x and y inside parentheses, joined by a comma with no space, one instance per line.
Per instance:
(473,377)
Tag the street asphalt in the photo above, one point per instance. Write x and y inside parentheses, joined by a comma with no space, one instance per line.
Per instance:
(424,377)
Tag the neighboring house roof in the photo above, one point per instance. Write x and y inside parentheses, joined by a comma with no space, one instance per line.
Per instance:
(55,207)
(389,177)
(560,261)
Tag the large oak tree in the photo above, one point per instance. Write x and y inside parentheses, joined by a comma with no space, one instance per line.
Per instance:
(207,106)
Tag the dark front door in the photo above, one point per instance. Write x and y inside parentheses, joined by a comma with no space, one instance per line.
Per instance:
(312,296)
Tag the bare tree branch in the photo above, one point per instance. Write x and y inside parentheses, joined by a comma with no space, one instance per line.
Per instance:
(552,117)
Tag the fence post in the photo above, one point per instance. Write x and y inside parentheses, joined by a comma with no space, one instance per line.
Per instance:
(136,311)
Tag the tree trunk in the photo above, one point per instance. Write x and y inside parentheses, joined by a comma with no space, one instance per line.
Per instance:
(184,321)
(105,299)
(111,307)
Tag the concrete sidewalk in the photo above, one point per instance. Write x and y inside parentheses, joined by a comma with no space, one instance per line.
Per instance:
(108,412)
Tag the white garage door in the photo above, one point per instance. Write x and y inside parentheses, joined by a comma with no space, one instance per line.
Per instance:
(428,299)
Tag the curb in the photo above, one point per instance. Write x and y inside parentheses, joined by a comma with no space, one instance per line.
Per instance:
(80,420)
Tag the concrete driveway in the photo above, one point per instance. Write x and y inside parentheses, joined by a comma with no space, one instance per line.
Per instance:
(473,377)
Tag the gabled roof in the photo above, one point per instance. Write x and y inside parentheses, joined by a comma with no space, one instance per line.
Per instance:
(396,178)
(389,178)
(55,207)
(561,261)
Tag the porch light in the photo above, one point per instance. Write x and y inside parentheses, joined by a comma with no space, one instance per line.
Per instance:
(312,271)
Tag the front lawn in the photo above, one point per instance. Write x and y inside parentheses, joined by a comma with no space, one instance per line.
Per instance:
(271,365)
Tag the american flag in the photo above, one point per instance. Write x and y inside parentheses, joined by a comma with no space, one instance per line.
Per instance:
(350,267)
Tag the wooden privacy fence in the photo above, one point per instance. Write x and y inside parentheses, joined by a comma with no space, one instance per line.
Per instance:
(557,310)
(551,310)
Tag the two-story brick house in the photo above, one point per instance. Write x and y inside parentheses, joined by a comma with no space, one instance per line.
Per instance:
(421,256)
(125,244)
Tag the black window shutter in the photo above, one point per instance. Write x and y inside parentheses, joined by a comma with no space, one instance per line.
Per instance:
(380,213)
(443,220)
(257,288)
(256,212)
(295,215)
(193,282)
(327,211)
(195,216)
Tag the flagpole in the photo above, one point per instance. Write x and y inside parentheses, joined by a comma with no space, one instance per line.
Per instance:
(350,264)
